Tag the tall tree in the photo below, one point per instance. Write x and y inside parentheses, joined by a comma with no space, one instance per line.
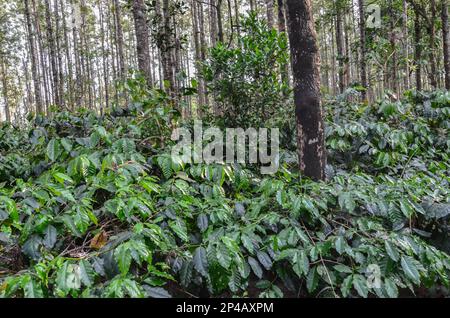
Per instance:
(446,42)
(142,39)
(340,44)
(53,53)
(282,29)
(308,108)
(418,48)
(33,56)
(119,37)
(269,12)
(3,74)
(362,45)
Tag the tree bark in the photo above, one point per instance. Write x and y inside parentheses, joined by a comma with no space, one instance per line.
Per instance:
(340,46)
(219,21)
(432,30)
(142,36)
(34,62)
(418,49)
(446,42)
(282,29)
(53,53)
(213,22)
(3,72)
(269,13)
(308,108)
(362,45)
(119,33)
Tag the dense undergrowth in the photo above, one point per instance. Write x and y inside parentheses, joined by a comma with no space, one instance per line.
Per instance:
(94,207)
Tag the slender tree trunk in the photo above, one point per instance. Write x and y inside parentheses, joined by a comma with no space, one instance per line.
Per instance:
(308,108)
(282,29)
(85,54)
(53,53)
(446,42)
(269,12)
(167,46)
(418,50)
(69,64)
(432,29)
(105,65)
(362,43)
(142,36)
(3,73)
(252,5)
(59,54)
(406,44)
(120,45)
(236,18)
(213,22)
(42,60)
(394,75)
(34,62)
(219,21)
(340,47)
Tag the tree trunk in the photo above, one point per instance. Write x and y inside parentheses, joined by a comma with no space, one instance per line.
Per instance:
(269,13)
(219,21)
(167,46)
(418,50)
(406,44)
(362,44)
(282,29)
(69,64)
(105,65)
(340,47)
(53,53)
(446,42)
(34,62)
(308,108)
(432,30)
(213,22)
(59,54)
(3,72)
(394,75)
(142,36)
(119,33)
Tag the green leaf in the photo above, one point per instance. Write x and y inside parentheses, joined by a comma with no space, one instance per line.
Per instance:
(201,261)
(123,257)
(264,259)
(53,149)
(410,269)
(257,270)
(360,284)
(391,288)
(301,263)
(50,235)
(62,178)
(391,250)
(223,256)
(341,268)
(202,222)
(31,247)
(31,289)
(186,273)
(179,227)
(156,292)
(86,273)
(312,281)
(340,244)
